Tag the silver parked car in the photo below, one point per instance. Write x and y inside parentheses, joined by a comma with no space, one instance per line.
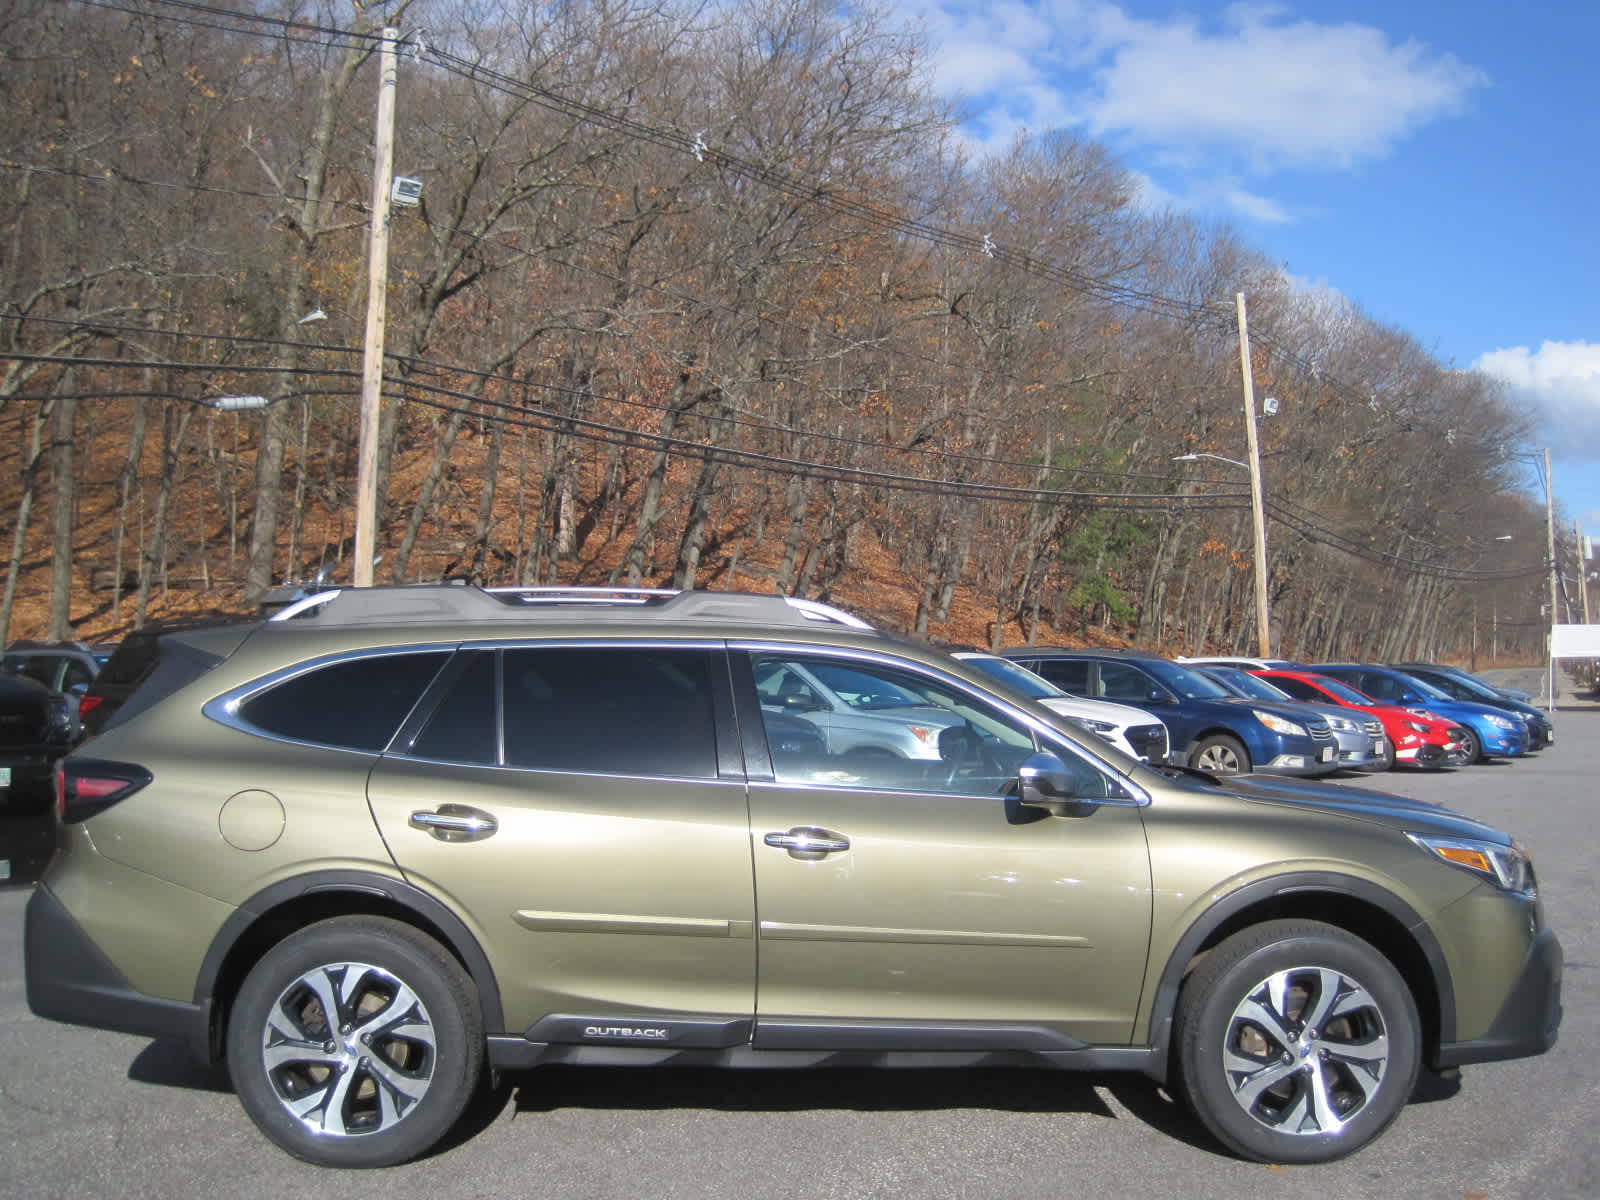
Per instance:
(1363,746)
(858,714)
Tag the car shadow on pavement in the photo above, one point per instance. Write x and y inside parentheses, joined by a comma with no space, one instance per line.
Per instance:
(168,1062)
(1019,1090)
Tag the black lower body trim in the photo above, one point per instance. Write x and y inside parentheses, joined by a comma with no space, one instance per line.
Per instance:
(1529,1019)
(69,979)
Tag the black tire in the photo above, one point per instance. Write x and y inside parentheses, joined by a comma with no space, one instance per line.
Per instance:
(1220,754)
(1472,747)
(410,1043)
(1296,1042)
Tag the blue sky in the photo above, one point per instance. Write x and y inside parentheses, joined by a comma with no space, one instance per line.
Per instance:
(1433,161)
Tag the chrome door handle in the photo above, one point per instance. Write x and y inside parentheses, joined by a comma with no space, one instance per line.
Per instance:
(807,841)
(455,823)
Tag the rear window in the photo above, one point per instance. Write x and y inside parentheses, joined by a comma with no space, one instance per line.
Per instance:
(354,704)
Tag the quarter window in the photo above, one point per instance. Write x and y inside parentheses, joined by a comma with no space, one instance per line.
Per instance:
(355,703)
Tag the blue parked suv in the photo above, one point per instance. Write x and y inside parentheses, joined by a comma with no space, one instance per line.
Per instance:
(1493,732)
(1209,728)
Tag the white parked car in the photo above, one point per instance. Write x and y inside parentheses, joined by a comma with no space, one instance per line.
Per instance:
(1131,730)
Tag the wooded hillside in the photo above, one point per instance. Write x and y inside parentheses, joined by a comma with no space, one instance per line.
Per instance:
(694,297)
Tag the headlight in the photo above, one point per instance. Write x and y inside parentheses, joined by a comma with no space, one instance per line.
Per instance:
(1101,729)
(1505,723)
(1417,727)
(1507,867)
(1277,724)
(1343,724)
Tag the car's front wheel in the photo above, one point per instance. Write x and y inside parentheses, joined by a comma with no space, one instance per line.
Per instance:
(356,1042)
(1220,754)
(1296,1042)
(1471,747)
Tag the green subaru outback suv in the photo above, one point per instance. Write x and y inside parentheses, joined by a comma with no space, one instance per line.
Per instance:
(397,838)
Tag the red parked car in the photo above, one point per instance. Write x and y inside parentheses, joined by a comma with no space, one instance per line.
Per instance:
(1420,739)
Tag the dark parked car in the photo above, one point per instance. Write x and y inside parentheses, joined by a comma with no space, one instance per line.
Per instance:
(66,667)
(1210,728)
(37,726)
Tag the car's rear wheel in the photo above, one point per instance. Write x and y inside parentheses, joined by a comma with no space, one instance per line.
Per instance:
(1220,754)
(356,1042)
(1296,1042)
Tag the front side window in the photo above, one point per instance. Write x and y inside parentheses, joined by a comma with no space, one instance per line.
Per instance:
(883,727)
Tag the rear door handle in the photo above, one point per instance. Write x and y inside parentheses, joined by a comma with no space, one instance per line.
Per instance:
(808,842)
(456,823)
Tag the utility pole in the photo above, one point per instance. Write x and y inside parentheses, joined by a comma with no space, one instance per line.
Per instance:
(1550,551)
(1583,578)
(377,295)
(1258,511)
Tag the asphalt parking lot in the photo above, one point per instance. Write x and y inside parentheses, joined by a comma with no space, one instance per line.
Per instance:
(90,1113)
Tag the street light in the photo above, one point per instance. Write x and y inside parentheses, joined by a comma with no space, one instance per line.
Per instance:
(1258,512)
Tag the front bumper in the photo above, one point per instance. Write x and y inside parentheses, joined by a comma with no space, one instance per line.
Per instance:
(1529,1019)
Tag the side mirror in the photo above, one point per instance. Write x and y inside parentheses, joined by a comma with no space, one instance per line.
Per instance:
(798,704)
(1043,781)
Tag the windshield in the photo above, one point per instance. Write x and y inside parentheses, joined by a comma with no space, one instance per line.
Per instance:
(1477,688)
(1245,684)
(1191,685)
(1032,686)
(1422,686)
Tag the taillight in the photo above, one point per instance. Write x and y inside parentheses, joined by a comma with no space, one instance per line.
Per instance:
(87,704)
(86,786)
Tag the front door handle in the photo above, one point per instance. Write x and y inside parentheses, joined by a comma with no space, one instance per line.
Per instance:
(808,842)
(456,823)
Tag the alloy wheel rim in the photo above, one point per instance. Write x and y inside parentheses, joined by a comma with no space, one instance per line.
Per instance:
(1306,1051)
(349,1049)
(1219,759)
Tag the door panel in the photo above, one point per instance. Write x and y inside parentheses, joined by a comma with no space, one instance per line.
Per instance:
(917,893)
(594,895)
(576,807)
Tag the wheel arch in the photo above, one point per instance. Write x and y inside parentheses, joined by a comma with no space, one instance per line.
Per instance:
(281,909)
(1358,906)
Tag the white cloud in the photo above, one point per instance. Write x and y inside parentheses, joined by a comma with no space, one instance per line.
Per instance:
(1560,384)
(1274,92)
(1254,88)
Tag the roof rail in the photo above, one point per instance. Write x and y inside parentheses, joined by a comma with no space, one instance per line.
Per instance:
(445,602)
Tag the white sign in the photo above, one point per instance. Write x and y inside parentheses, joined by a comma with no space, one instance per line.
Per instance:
(1575,641)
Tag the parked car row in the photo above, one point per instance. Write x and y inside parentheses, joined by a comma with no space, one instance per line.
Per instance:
(1236,715)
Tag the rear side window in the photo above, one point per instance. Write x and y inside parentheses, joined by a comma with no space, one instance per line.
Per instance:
(635,710)
(355,703)
(1067,674)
